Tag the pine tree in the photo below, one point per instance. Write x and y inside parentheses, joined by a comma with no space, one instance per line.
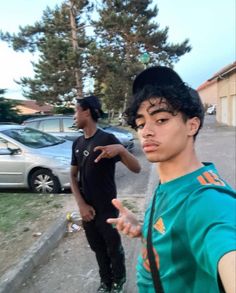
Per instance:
(124,32)
(8,112)
(61,66)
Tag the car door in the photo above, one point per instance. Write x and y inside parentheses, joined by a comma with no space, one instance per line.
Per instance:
(12,164)
(69,128)
(51,126)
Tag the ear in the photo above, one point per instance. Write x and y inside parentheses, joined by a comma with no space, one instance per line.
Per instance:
(87,112)
(193,126)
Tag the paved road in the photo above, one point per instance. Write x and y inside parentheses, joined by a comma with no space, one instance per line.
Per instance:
(72,267)
(217,143)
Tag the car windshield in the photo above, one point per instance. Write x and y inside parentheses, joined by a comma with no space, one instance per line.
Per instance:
(33,138)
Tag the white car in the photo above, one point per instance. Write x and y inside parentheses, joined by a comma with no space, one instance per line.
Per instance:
(33,159)
(211,110)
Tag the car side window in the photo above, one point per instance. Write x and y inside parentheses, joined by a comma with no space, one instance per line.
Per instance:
(69,125)
(32,124)
(49,125)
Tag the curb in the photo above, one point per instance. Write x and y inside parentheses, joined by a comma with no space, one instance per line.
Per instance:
(13,278)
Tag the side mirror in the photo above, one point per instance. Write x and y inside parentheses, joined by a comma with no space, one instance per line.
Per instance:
(8,151)
(15,151)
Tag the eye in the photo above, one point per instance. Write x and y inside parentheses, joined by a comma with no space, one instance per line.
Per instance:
(161,121)
(139,126)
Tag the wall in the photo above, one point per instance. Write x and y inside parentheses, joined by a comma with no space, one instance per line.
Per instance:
(226,99)
(208,93)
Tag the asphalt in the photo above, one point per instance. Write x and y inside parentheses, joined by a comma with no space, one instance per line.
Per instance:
(210,145)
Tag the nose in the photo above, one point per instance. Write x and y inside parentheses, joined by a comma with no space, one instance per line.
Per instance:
(148,129)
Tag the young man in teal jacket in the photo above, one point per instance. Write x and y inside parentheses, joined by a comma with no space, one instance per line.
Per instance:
(193,226)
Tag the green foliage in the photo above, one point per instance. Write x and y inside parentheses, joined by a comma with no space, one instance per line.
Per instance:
(64,110)
(8,112)
(123,32)
(51,38)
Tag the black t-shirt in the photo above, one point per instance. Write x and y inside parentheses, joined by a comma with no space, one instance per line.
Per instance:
(97,180)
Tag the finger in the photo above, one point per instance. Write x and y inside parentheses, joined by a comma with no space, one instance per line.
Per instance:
(90,217)
(118,205)
(98,148)
(102,155)
(135,231)
(112,221)
(92,212)
(126,229)
(86,219)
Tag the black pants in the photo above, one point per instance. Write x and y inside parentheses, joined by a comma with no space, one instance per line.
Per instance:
(105,241)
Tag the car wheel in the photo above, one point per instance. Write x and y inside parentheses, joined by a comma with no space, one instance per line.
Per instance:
(43,181)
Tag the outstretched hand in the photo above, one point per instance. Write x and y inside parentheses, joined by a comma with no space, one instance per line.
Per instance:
(126,223)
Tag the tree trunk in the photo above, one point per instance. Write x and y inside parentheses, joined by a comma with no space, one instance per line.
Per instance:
(78,79)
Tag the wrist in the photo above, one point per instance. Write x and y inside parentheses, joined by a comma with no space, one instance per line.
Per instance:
(122,150)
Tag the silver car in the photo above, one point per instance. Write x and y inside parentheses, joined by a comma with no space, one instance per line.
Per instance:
(33,159)
(63,126)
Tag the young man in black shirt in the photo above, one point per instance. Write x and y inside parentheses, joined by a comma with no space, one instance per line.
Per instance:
(94,156)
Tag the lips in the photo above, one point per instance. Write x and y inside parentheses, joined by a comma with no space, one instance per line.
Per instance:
(150,147)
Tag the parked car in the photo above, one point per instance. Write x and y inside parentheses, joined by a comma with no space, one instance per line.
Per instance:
(63,126)
(33,159)
(211,110)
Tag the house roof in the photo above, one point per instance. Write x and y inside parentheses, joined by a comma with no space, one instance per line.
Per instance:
(206,84)
(219,74)
(224,71)
(31,104)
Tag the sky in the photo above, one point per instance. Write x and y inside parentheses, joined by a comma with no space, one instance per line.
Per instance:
(208,24)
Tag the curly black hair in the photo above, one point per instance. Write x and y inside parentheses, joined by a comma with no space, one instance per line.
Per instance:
(179,99)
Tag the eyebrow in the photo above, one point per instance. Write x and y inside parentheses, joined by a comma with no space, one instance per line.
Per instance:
(152,113)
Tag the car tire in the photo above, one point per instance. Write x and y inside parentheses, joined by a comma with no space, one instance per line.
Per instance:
(43,181)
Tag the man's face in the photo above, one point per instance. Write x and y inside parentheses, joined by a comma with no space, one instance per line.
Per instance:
(80,115)
(163,134)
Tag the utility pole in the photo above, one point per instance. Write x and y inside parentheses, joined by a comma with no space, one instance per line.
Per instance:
(78,78)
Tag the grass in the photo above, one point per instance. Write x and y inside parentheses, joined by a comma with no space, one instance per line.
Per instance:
(18,208)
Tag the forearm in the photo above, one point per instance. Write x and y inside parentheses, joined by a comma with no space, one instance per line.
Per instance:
(76,192)
(227,271)
(129,160)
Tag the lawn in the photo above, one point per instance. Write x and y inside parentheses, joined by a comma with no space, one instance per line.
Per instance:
(17,209)
(23,218)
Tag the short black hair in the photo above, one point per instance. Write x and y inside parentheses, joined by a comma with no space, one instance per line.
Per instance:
(178,96)
(93,104)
